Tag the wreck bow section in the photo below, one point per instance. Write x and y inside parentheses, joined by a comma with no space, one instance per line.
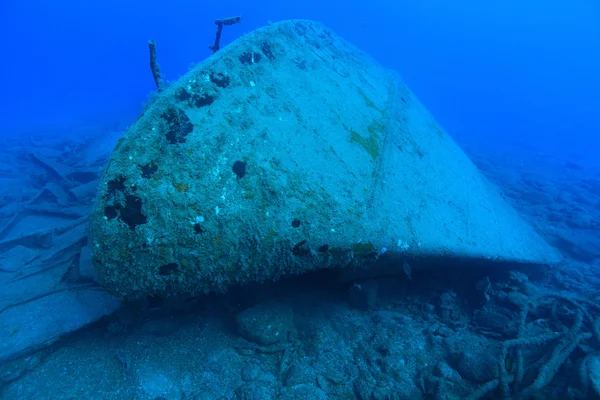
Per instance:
(286,151)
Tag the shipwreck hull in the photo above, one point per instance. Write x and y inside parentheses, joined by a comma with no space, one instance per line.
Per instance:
(286,151)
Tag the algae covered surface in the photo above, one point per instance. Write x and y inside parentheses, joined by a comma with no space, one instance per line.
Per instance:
(227,177)
(280,154)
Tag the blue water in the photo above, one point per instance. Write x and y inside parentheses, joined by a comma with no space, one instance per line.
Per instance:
(515,83)
(504,69)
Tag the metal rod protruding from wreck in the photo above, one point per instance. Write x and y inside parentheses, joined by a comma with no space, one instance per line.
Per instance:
(155,68)
(220,24)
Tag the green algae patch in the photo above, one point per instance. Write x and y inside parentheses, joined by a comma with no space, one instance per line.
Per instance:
(376,128)
(362,249)
(370,143)
(368,102)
